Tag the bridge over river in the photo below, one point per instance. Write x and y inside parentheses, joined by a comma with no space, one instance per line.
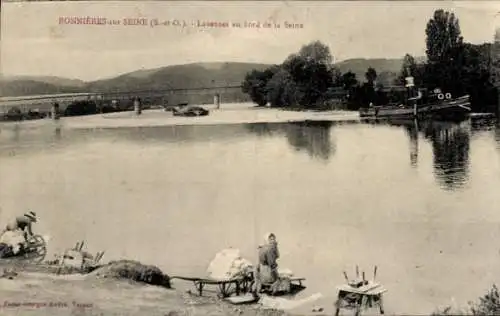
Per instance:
(156,97)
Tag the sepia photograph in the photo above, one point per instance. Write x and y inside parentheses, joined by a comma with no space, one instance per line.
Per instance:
(260,158)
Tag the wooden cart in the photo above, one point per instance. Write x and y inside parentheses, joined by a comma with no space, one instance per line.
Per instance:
(34,251)
(237,285)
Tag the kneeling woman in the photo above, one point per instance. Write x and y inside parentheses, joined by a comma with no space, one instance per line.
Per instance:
(267,274)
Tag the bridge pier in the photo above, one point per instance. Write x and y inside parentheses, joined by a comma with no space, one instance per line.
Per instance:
(217,100)
(54,113)
(137,106)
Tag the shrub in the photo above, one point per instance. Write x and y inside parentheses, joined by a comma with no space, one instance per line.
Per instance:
(489,304)
(135,271)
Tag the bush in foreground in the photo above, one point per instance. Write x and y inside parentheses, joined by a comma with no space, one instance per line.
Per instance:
(489,304)
(135,271)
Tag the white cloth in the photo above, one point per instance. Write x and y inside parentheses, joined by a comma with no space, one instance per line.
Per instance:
(279,303)
(14,239)
(285,273)
(228,264)
(72,258)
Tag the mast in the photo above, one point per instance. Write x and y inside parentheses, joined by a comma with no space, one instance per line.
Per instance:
(410,84)
(410,95)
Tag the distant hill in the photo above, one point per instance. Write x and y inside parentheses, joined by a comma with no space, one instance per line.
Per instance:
(23,87)
(58,81)
(195,75)
(359,66)
(387,69)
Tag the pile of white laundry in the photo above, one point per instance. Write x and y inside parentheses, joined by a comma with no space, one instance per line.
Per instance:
(14,239)
(228,264)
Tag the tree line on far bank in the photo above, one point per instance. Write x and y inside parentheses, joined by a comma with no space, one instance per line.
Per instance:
(308,79)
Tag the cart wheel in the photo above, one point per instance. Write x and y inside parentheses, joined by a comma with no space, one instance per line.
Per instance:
(41,253)
(37,249)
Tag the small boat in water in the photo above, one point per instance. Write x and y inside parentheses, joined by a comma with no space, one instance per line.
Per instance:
(435,106)
(188,110)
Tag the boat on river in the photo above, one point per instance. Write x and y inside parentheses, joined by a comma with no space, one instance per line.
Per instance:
(437,105)
(453,109)
(184,109)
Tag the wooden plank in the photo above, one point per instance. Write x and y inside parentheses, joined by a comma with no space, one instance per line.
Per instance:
(242,299)
(185,278)
(292,280)
(370,289)
(212,281)
(209,281)
(297,279)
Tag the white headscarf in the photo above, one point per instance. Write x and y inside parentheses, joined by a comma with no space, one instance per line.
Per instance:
(266,242)
(266,238)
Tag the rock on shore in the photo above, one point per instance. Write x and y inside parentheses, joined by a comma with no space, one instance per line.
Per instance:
(133,270)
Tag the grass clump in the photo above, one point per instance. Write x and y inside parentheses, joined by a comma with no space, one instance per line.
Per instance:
(135,271)
(488,304)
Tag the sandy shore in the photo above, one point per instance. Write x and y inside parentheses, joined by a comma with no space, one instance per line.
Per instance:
(35,293)
(39,293)
(227,114)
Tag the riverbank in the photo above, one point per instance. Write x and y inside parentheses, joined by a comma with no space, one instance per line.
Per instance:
(237,113)
(34,293)
(228,114)
(28,293)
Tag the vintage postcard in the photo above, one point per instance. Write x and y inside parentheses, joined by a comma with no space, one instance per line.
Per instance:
(255,158)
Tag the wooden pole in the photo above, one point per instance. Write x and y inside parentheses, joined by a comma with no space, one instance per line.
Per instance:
(346,277)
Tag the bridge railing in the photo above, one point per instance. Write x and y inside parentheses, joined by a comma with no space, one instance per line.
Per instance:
(44,102)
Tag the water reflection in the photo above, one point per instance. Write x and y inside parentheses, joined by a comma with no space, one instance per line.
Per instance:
(497,134)
(262,129)
(57,133)
(412,131)
(451,146)
(173,134)
(16,135)
(312,137)
(26,139)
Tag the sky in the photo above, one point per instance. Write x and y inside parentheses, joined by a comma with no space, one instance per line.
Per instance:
(34,43)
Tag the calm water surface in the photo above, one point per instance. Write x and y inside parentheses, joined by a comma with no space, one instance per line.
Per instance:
(421,202)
